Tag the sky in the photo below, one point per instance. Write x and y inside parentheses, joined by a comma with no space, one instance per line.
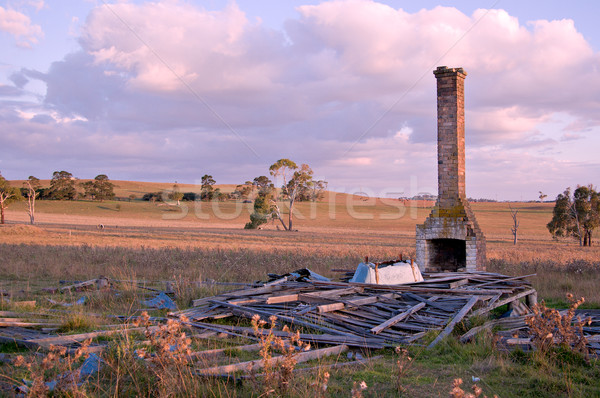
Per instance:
(171,90)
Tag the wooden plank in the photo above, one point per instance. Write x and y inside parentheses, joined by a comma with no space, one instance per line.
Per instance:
(429,320)
(518,341)
(458,283)
(258,364)
(220,329)
(593,339)
(335,292)
(252,292)
(500,303)
(28,324)
(506,280)
(249,312)
(350,340)
(461,314)
(493,300)
(19,342)
(80,285)
(12,319)
(351,302)
(350,320)
(330,307)
(220,351)
(429,302)
(516,322)
(397,318)
(245,301)
(416,289)
(73,338)
(412,327)
(441,279)
(282,299)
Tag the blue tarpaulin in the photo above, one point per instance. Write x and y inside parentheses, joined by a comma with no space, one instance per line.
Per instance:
(161,301)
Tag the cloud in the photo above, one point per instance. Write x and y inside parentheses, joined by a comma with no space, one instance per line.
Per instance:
(9,91)
(19,25)
(161,90)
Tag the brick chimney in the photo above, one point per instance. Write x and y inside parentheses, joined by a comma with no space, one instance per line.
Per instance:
(450,239)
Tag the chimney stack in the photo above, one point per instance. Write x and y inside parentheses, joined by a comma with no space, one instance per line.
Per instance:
(450,239)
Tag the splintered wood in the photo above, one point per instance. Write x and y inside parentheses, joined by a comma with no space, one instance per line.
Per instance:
(365,315)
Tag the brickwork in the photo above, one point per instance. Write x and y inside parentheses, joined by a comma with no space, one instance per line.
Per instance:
(452,217)
(451,136)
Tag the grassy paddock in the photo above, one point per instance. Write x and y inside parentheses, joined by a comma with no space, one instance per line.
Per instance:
(31,265)
(139,243)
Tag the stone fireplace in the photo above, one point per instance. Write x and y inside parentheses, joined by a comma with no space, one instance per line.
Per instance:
(450,238)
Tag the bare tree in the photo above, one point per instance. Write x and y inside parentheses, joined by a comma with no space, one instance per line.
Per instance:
(542,197)
(8,195)
(515,227)
(31,184)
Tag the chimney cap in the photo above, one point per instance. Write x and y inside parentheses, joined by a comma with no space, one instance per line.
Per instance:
(444,70)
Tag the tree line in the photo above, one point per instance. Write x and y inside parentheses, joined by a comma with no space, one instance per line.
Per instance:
(298,185)
(576,215)
(63,186)
(207,193)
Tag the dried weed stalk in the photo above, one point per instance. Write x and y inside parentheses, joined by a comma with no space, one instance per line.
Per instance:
(54,372)
(168,358)
(320,385)
(458,392)
(357,389)
(549,328)
(401,367)
(170,342)
(277,372)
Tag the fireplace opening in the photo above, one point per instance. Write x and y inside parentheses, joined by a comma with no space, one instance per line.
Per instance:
(449,254)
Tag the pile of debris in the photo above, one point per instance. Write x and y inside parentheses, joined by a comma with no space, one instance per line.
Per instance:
(365,315)
(359,315)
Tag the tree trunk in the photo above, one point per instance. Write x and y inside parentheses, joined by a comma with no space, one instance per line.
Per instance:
(290,215)
(32,212)
(282,223)
(1,214)
(585,239)
(31,208)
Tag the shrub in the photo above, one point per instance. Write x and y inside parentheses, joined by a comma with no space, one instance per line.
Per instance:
(550,329)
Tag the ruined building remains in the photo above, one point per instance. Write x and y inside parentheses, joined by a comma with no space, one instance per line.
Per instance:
(450,239)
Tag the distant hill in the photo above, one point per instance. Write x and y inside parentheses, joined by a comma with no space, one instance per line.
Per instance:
(139,188)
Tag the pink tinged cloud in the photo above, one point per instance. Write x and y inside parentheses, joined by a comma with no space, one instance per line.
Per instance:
(359,50)
(348,70)
(168,46)
(19,25)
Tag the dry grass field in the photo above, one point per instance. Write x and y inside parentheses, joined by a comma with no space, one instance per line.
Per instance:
(154,243)
(337,231)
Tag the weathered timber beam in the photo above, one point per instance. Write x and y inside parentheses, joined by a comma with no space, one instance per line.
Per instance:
(392,321)
(461,314)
